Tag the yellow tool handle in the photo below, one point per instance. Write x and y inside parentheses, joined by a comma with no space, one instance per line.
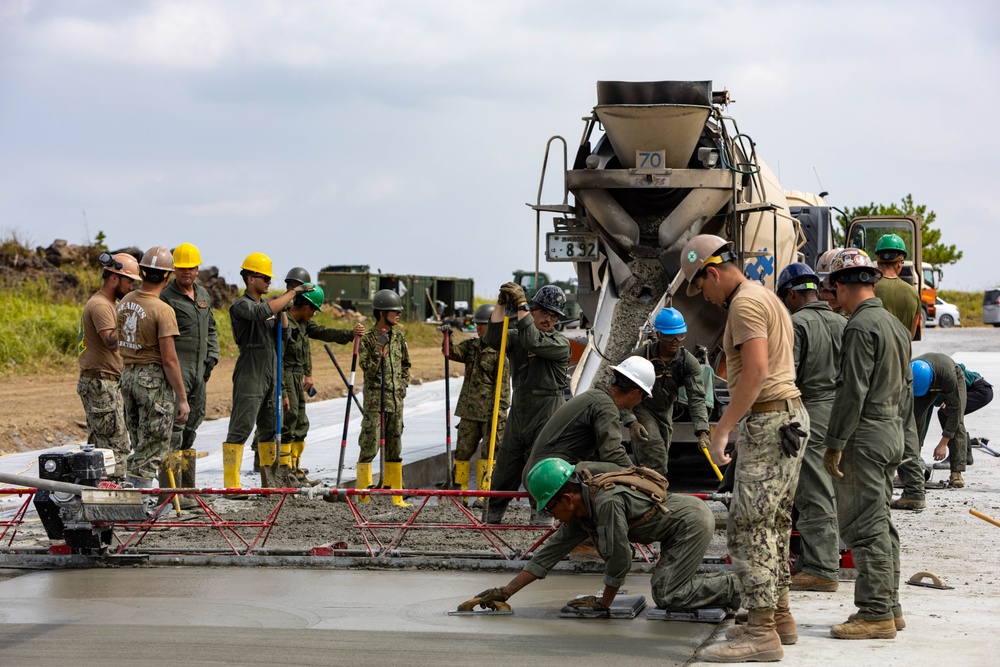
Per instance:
(985,518)
(173,485)
(718,473)
(488,481)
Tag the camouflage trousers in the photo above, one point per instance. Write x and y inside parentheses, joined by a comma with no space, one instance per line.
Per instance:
(183,435)
(370,436)
(102,401)
(471,433)
(150,405)
(760,515)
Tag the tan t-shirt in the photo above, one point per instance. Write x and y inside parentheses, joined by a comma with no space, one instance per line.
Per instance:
(756,312)
(98,315)
(142,321)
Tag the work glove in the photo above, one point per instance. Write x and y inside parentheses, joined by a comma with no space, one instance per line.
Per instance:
(513,294)
(493,595)
(589,603)
(304,287)
(382,339)
(704,440)
(209,367)
(638,431)
(792,436)
(831,462)
(659,367)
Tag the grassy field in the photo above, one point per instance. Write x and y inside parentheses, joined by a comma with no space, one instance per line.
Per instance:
(970,305)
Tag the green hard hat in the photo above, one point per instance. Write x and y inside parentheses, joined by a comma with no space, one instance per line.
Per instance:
(546,478)
(315,297)
(890,245)
(386,299)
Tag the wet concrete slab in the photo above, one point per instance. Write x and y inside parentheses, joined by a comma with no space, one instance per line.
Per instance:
(302,617)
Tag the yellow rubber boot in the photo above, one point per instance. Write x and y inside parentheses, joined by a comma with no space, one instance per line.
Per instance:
(364,480)
(300,473)
(232,458)
(285,477)
(480,478)
(267,453)
(461,479)
(394,479)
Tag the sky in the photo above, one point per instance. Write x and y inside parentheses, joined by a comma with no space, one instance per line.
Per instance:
(409,135)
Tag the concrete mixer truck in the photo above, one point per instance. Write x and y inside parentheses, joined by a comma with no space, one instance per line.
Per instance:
(658,163)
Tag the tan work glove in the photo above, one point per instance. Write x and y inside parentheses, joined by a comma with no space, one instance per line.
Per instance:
(638,431)
(704,440)
(831,462)
(512,294)
(589,603)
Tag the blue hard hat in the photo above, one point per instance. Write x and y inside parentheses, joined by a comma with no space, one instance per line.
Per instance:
(669,321)
(923,375)
(793,273)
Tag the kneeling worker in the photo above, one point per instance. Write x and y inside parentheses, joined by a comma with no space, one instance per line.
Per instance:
(614,518)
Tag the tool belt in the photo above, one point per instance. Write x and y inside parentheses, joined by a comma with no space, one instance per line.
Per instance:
(783,405)
(101,375)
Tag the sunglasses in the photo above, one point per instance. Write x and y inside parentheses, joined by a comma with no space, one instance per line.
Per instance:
(672,339)
(261,276)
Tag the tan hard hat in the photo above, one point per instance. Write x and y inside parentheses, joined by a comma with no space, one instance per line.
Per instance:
(823,267)
(158,258)
(130,267)
(854,261)
(696,254)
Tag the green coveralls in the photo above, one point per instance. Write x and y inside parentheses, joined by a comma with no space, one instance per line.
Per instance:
(818,335)
(684,534)
(866,423)
(197,342)
(538,363)
(254,382)
(585,428)
(948,384)
(397,378)
(296,365)
(475,403)
(656,412)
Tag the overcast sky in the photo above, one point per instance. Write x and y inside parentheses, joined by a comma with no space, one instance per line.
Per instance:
(408,135)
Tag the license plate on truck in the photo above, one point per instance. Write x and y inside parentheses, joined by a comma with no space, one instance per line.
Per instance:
(571,247)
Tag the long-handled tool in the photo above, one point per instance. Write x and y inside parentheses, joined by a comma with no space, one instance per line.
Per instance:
(715,468)
(987,519)
(277,410)
(350,384)
(447,407)
(488,478)
(350,394)
(381,432)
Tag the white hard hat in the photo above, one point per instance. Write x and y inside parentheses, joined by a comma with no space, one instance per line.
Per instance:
(640,371)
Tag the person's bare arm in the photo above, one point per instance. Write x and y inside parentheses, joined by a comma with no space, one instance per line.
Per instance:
(110,338)
(754,355)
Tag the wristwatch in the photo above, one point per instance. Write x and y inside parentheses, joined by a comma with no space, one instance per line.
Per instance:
(524,307)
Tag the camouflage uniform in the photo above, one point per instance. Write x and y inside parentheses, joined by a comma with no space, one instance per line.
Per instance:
(656,412)
(818,335)
(760,515)
(475,403)
(197,342)
(684,534)
(296,365)
(538,364)
(397,377)
(150,404)
(866,424)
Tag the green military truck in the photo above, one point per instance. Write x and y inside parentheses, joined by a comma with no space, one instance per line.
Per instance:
(433,298)
(526,279)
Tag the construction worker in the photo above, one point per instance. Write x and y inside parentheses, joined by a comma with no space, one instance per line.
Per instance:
(615,518)
(385,361)
(197,347)
(99,361)
(651,422)
(818,332)
(978,394)
(538,356)
(296,373)
(826,291)
(936,375)
(773,427)
(864,444)
(152,385)
(587,427)
(476,401)
(254,383)
(898,296)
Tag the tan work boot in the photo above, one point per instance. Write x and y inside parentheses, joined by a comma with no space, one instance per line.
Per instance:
(803,581)
(759,642)
(898,621)
(908,504)
(862,629)
(956,481)
(784,624)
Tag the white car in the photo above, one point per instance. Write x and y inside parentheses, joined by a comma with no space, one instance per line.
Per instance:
(946,315)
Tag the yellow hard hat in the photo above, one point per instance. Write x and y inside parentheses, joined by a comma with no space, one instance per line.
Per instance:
(258,262)
(186,256)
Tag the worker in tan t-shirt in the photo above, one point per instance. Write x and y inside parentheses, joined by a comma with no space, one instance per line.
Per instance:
(773,427)
(100,364)
(152,386)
